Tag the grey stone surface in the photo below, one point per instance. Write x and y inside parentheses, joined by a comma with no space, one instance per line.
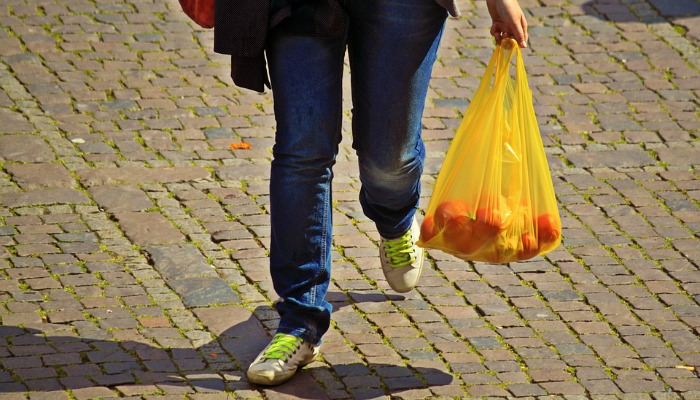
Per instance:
(25,148)
(611,159)
(241,172)
(104,176)
(677,8)
(134,241)
(34,176)
(144,228)
(203,292)
(680,156)
(43,197)
(118,198)
(14,122)
(177,261)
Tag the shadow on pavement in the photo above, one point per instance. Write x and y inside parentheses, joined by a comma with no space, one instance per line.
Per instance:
(681,12)
(55,359)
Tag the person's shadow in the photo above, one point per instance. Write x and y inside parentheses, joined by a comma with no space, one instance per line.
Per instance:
(35,360)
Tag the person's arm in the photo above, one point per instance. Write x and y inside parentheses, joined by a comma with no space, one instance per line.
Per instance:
(508,21)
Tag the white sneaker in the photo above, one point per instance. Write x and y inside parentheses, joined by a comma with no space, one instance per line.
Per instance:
(279,361)
(402,260)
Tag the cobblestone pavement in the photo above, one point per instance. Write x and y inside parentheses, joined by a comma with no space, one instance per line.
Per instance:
(133,239)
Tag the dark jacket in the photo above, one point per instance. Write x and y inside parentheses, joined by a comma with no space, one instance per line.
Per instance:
(241,28)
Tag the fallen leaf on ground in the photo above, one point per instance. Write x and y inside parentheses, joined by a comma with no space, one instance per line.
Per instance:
(689,368)
(240,145)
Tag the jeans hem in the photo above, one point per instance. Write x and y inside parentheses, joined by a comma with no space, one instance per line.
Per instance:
(304,334)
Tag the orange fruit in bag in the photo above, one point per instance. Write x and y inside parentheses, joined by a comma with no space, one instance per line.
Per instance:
(428,230)
(488,222)
(463,238)
(530,247)
(449,210)
(548,229)
(452,219)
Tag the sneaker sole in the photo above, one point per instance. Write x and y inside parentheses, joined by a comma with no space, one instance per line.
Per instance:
(271,381)
(279,379)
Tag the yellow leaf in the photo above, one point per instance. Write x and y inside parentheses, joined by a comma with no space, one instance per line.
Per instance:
(686,367)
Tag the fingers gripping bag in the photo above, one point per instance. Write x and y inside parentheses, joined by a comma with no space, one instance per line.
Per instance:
(494,200)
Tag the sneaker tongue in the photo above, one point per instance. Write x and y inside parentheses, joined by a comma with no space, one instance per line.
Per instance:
(276,356)
(282,347)
(399,251)
(401,259)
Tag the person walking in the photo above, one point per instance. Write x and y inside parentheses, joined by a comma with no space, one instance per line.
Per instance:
(391,46)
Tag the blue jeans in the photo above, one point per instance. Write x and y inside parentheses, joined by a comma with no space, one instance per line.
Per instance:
(392,45)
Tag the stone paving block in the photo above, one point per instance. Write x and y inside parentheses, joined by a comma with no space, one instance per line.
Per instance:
(104,176)
(25,148)
(198,292)
(679,156)
(43,197)
(131,104)
(176,261)
(612,159)
(242,172)
(120,198)
(145,228)
(132,390)
(14,122)
(94,392)
(35,176)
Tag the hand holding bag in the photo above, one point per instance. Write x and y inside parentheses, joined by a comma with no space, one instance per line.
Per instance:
(200,11)
(494,200)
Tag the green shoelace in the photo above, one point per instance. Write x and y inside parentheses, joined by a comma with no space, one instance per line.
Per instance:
(399,251)
(282,347)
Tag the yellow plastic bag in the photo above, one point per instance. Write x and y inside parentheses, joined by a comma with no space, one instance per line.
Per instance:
(494,199)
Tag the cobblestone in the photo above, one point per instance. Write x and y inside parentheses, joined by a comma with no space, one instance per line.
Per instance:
(134,241)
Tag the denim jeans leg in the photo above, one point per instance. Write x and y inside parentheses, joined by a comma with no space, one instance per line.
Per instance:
(392,46)
(306,77)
